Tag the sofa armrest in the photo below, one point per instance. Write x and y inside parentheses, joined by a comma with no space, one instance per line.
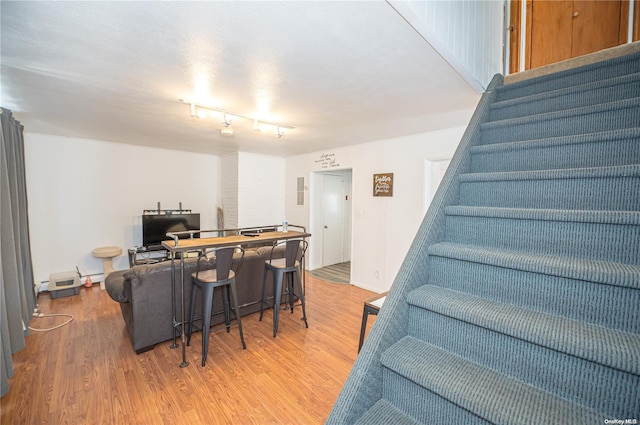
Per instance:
(114,284)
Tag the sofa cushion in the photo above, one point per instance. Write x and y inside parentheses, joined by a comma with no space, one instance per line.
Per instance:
(266,250)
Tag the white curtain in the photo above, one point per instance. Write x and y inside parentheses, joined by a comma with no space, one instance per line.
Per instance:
(17,292)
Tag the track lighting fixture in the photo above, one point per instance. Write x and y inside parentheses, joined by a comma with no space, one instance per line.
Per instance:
(201,111)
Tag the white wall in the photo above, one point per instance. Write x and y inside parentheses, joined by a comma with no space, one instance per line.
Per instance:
(382,228)
(260,190)
(467,33)
(87,193)
(84,194)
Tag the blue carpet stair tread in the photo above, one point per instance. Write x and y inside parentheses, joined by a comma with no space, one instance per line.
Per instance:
(598,235)
(617,171)
(575,299)
(602,272)
(492,396)
(603,388)
(612,106)
(589,342)
(616,147)
(385,413)
(623,65)
(425,406)
(618,88)
(598,188)
(606,116)
(578,216)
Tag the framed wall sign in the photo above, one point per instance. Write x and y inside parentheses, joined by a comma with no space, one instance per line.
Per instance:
(383,184)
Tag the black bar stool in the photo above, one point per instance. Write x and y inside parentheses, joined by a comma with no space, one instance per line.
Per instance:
(289,267)
(207,280)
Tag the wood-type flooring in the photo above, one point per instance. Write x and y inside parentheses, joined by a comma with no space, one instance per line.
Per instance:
(87,373)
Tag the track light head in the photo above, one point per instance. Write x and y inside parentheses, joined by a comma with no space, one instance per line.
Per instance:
(226,121)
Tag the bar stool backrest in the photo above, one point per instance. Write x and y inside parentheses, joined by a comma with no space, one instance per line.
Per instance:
(224,260)
(295,251)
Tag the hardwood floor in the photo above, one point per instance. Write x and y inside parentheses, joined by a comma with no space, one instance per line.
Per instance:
(87,373)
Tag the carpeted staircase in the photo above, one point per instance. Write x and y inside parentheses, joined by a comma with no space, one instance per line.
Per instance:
(519,300)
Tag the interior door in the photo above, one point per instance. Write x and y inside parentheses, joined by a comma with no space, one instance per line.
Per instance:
(332,219)
(596,26)
(551,32)
(564,29)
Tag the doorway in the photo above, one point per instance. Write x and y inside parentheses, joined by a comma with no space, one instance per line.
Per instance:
(433,174)
(330,218)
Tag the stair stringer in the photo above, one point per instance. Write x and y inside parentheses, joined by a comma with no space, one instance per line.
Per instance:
(363,387)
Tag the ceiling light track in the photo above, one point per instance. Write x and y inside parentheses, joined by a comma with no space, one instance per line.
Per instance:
(198,110)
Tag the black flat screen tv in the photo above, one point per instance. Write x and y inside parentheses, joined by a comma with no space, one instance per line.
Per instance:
(156,226)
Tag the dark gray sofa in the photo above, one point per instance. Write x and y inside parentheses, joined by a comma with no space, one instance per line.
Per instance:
(144,295)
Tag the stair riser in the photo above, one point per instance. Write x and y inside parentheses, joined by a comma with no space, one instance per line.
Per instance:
(574,78)
(588,383)
(556,102)
(594,241)
(607,193)
(594,154)
(423,405)
(611,306)
(595,121)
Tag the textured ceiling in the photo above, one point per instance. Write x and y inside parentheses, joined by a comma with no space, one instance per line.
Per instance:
(341,73)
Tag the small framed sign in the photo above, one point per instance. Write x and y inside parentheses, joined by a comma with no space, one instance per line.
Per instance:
(383,184)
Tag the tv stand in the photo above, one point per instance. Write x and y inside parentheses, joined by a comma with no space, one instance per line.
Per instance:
(147,255)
